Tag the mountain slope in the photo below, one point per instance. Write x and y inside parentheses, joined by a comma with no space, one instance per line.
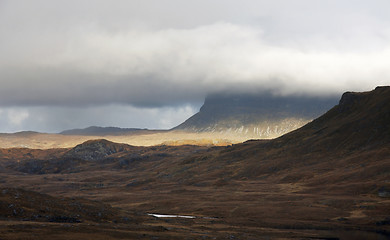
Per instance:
(259,116)
(359,121)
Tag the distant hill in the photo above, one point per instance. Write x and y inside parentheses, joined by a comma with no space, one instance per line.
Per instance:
(259,116)
(102,131)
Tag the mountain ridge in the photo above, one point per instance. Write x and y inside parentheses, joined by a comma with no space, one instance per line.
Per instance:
(102,131)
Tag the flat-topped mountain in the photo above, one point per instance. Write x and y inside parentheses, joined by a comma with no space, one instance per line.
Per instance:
(259,116)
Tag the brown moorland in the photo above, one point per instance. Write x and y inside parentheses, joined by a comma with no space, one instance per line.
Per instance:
(327,180)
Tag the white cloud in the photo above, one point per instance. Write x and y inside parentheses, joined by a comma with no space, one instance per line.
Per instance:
(170,117)
(17,116)
(13,119)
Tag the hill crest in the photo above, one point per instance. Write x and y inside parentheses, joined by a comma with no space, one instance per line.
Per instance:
(96,149)
(101,131)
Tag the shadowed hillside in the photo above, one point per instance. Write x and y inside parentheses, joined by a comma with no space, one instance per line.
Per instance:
(359,121)
(19,204)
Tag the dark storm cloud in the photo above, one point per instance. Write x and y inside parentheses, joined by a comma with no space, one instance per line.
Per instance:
(55,119)
(171,53)
(74,88)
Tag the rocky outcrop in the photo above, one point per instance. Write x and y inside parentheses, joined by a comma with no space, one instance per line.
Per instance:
(96,150)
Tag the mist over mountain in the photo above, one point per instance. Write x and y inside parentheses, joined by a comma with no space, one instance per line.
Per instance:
(260,116)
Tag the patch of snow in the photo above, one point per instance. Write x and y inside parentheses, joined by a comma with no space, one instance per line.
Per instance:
(177,216)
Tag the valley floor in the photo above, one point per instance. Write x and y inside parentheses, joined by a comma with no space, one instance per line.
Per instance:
(242,209)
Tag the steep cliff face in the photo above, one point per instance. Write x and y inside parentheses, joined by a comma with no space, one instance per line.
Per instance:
(259,116)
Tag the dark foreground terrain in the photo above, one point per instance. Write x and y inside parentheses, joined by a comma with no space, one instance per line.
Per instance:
(327,180)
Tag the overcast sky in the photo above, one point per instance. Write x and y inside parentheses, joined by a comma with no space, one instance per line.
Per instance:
(149,63)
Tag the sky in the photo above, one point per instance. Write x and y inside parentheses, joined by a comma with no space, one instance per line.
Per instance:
(149,64)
